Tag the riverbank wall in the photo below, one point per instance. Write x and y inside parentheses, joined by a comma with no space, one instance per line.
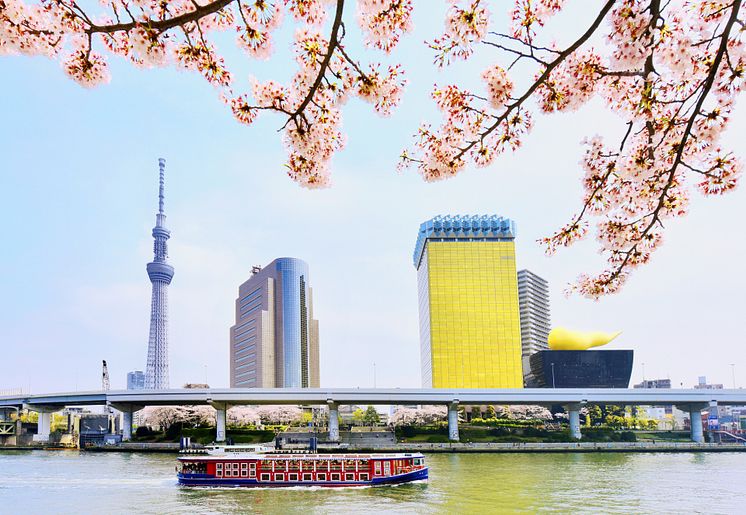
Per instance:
(558,447)
(574,447)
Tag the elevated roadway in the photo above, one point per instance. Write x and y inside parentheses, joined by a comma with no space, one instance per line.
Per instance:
(128,401)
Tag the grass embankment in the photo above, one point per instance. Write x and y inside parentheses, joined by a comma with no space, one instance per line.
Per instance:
(205,435)
(509,435)
(663,436)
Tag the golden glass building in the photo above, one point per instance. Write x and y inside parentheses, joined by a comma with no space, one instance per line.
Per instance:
(470,333)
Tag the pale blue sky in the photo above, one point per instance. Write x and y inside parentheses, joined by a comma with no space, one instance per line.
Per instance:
(78,185)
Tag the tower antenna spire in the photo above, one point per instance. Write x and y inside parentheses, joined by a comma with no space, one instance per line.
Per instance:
(161,189)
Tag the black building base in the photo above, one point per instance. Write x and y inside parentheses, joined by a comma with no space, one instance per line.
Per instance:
(582,368)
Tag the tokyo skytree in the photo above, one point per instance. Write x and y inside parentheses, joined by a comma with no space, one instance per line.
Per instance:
(160,273)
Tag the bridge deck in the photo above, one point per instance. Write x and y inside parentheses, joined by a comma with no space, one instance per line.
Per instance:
(321,396)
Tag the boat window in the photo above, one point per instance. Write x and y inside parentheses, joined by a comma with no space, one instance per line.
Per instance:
(219,469)
(244,469)
(264,477)
(335,465)
(336,477)
(279,477)
(321,476)
(349,477)
(363,464)
(293,465)
(364,477)
(350,464)
(386,468)
(307,477)
(292,477)
(193,468)
(377,468)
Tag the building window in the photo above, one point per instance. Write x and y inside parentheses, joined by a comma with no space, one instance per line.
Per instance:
(246,298)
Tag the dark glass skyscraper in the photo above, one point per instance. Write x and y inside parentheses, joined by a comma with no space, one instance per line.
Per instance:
(275,340)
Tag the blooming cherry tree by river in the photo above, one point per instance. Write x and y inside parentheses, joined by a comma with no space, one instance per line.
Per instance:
(670,71)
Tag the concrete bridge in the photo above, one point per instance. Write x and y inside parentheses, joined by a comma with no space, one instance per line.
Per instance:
(573,399)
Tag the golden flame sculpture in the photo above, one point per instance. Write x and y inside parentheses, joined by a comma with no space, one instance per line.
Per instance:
(561,338)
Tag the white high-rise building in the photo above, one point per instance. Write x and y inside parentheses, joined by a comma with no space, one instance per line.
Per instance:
(533,300)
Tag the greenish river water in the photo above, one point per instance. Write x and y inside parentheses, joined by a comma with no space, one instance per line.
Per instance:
(71,482)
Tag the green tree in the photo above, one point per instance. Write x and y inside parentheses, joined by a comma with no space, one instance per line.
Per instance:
(358,417)
(594,415)
(371,416)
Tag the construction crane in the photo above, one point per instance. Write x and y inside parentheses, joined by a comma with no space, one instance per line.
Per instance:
(105,377)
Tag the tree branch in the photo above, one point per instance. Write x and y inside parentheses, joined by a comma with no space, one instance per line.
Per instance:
(543,77)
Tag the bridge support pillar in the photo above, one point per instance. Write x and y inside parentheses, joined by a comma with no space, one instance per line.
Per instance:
(573,415)
(695,422)
(128,411)
(127,426)
(453,422)
(220,419)
(43,427)
(333,422)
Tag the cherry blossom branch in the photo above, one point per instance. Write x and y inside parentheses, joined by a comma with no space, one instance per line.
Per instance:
(198,13)
(333,43)
(542,78)
(671,172)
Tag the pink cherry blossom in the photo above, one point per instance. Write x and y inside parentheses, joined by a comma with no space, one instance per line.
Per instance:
(88,70)
(671,72)
(499,86)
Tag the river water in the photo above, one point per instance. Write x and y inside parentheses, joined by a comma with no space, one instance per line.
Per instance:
(73,482)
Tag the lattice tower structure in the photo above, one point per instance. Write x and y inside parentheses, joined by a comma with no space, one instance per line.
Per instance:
(160,274)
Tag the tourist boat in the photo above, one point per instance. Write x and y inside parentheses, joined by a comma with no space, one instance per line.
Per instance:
(265,467)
